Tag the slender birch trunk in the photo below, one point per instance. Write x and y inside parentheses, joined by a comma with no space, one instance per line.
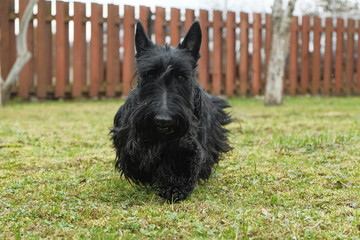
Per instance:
(281,20)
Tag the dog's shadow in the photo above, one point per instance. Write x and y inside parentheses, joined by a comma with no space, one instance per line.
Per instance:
(118,191)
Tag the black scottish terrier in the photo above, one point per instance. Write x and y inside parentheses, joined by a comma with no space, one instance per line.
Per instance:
(169,132)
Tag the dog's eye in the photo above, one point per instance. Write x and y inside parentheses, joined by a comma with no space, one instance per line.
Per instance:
(150,75)
(180,77)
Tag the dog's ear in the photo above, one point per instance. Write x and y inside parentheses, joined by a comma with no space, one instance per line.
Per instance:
(192,40)
(142,41)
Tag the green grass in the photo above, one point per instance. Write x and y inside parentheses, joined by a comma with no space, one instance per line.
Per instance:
(294,173)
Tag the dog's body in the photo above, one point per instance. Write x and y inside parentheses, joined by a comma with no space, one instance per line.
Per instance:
(169,133)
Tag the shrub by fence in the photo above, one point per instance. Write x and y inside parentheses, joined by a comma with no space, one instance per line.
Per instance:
(235,51)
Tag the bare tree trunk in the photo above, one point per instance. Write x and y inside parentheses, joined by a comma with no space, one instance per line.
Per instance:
(23,56)
(279,49)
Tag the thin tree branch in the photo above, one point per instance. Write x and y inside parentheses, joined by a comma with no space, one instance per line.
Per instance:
(287,17)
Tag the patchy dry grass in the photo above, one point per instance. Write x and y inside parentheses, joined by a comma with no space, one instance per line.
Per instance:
(294,173)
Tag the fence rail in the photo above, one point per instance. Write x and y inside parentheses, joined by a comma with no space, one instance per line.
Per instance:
(323,56)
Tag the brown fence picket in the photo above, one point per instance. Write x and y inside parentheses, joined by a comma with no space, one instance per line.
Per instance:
(256,57)
(339,55)
(189,18)
(6,44)
(204,50)
(230,54)
(96,50)
(7,37)
(350,56)
(358,62)
(4,47)
(175,27)
(316,64)
(328,56)
(129,49)
(8,31)
(244,54)
(144,17)
(67,51)
(159,25)
(305,63)
(217,53)
(293,56)
(62,48)
(268,32)
(12,37)
(26,77)
(113,47)
(79,50)
(44,49)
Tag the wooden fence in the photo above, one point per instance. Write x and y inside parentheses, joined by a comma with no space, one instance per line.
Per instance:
(235,51)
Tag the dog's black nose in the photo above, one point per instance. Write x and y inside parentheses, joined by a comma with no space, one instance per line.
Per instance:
(163,121)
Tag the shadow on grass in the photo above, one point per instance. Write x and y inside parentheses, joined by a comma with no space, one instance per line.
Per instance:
(118,191)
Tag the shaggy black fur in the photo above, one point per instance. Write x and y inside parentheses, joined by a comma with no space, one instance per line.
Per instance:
(169,133)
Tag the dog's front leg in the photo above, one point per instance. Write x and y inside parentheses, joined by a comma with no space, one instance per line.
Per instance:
(177,188)
(178,174)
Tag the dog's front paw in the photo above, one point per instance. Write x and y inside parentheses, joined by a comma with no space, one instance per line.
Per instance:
(174,194)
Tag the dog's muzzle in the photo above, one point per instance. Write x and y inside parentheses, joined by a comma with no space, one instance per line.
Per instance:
(164,124)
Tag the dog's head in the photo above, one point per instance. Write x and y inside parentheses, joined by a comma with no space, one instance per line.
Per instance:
(166,79)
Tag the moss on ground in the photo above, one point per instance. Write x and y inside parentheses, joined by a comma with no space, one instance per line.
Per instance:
(294,173)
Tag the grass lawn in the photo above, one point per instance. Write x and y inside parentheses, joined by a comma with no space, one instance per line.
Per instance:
(294,173)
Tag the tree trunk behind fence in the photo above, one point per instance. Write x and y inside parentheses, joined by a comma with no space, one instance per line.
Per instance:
(279,48)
